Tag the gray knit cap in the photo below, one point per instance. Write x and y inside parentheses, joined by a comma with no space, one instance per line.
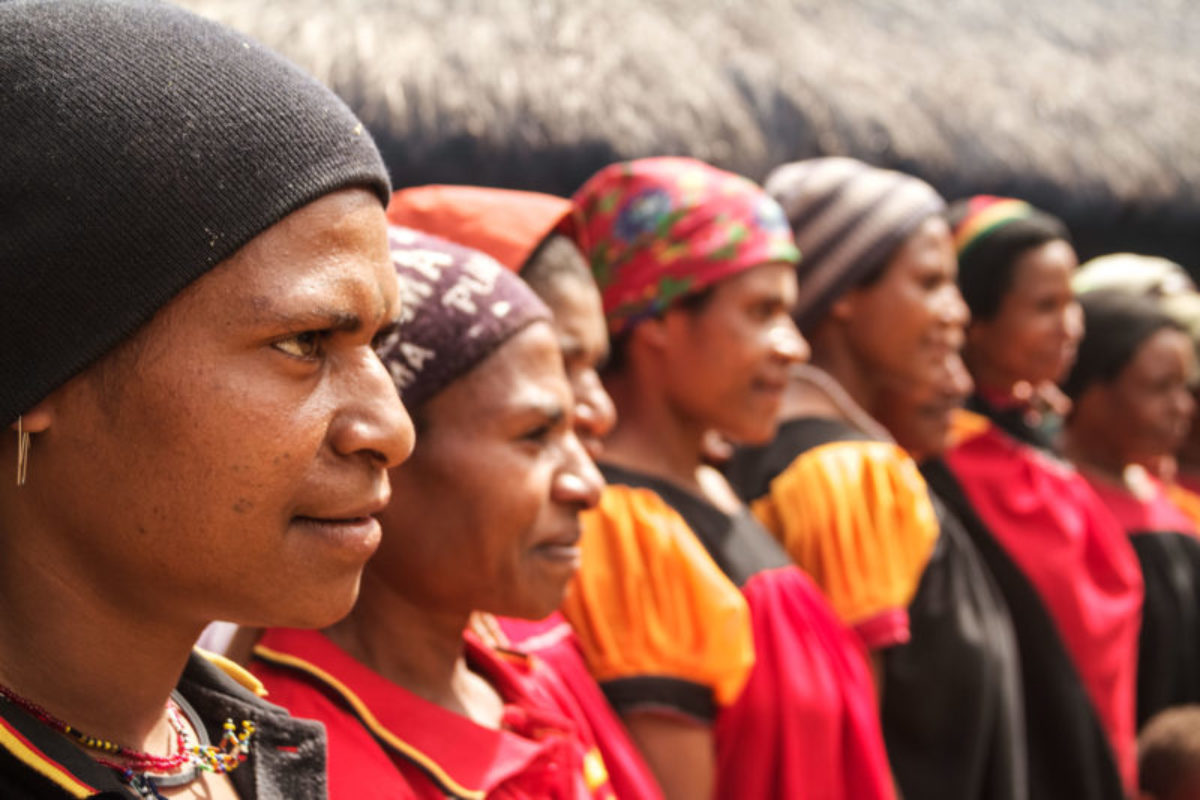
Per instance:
(140,145)
(848,219)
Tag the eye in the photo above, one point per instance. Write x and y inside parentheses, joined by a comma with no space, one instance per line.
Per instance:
(385,335)
(764,310)
(301,345)
(539,435)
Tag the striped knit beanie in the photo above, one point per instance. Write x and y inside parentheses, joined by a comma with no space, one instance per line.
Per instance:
(457,306)
(991,234)
(141,145)
(848,218)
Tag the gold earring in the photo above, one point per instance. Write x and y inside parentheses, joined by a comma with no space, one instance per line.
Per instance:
(22,453)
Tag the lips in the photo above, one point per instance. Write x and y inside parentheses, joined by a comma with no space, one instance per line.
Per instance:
(351,528)
(773,386)
(563,547)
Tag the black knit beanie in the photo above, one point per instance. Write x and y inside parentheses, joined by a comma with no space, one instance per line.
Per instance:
(140,145)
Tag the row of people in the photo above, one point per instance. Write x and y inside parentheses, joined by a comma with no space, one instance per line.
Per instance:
(870,597)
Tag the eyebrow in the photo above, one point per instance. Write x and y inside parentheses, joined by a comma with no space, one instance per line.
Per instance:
(265,311)
(550,410)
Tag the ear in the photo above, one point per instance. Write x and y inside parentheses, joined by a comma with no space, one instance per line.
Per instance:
(38,418)
(651,333)
(844,308)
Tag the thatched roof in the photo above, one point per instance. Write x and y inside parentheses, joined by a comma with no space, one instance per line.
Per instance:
(1090,108)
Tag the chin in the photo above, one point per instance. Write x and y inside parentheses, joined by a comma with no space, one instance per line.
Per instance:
(318,608)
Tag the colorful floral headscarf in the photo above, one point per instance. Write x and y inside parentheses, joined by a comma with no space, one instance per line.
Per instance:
(657,229)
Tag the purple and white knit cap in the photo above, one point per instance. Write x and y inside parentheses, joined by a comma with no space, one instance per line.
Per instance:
(848,218)
(457,306)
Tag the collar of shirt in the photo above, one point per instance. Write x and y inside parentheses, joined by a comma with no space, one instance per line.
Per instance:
(465,759)
(217,690)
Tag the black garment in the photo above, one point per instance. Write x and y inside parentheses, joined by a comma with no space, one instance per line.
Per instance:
(952,710)
(1169,644)
(953,714)
(287,756)
(751,469)
(1016,423)
(1068,750)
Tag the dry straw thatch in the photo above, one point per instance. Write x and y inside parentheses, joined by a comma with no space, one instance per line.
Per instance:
(1090,108)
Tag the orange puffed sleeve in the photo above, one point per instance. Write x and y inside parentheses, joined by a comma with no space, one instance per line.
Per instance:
(856,516)
(659,623)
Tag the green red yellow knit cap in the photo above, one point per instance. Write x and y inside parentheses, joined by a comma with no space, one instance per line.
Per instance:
(656,229)
(986,214)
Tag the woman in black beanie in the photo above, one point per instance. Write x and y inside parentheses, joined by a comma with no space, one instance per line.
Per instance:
(194,265)
(1131,390)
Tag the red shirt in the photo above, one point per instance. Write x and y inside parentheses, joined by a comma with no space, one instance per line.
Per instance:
(386,742)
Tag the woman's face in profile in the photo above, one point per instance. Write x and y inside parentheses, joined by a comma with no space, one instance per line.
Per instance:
(1036,330)
(485,513)
(225,462)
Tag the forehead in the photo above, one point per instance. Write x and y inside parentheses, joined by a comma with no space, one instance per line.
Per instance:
(1166,348)
(523,375)
(1045,266)
(774,279)
(336,244)
(929,244)
(578,311)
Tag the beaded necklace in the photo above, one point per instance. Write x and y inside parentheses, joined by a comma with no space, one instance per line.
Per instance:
(144,772)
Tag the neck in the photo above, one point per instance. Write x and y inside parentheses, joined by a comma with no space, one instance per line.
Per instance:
(651,436)
(411,646)
(989,379)
(833,355)
(1090,453)
(71,647)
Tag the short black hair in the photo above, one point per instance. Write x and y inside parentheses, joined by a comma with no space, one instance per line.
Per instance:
(1115,324)
(1169,750)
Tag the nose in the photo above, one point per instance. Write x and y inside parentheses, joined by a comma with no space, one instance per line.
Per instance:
(952,308)
(595,413)
(371,419)
(1185,403)
(578,482)
(786,342)
(960,379)
(1072,321)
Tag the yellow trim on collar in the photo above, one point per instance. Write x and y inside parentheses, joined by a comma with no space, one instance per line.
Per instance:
(43,766)
(368,719)
(234,670)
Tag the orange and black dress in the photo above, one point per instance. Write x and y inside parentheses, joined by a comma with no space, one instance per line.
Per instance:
(661,619)
(1073,585)
(952,705)
(1165,541)
(852,512)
